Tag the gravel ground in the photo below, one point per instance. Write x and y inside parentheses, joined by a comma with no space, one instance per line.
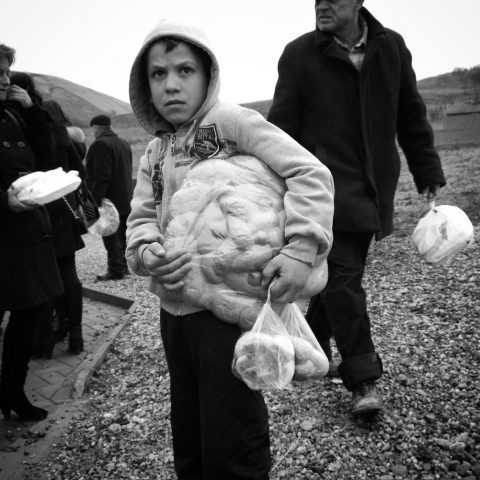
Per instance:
(426,328)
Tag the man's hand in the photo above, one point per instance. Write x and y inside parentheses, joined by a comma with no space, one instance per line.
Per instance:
(431,191)
(291,276)
(15,204)
(168,268)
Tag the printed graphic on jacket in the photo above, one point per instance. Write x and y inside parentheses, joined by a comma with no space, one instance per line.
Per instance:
(206,143)
(188,155)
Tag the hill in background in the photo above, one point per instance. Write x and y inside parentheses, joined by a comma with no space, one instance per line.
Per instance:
(79,103)
(82,103)
(462,86)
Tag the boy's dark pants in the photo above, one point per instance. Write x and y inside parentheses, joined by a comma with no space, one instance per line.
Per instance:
(115,245)
(220,427)
(341,309)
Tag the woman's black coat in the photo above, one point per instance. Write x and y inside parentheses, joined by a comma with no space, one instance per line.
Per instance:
(28,270)
(66,235)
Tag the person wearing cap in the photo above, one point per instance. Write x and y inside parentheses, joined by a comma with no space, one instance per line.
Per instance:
(346,91)
(109,175)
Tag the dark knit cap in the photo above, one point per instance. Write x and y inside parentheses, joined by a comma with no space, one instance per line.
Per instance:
(101,120)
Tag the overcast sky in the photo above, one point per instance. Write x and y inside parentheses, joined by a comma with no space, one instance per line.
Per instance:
(93,43)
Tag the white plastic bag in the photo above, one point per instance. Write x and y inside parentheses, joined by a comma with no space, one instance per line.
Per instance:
(44,187)
(442,232)
(109,220)
(310,359)
(230,216)
(264,357)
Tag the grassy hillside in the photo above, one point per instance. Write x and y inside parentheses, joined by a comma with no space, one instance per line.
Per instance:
(458,87)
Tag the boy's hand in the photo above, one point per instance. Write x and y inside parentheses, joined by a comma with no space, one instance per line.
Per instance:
(168,268)
(290,278)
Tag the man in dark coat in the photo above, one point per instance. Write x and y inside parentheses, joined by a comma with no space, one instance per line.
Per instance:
(109,175)
(346,91)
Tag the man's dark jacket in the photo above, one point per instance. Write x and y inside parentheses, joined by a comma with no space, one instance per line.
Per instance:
(109,170)
(350,119)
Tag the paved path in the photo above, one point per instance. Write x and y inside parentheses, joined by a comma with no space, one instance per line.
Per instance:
(58,384)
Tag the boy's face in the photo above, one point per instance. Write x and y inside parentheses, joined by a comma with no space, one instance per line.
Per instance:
(178,82)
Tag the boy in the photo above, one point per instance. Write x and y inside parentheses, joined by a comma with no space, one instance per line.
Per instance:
(220,426)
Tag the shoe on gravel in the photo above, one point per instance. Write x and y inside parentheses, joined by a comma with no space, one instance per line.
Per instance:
(365,399)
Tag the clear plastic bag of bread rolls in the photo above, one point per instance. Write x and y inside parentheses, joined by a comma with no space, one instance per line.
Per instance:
(310,360)
(264,356)
(229,215)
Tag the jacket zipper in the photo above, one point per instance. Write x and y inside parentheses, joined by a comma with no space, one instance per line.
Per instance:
(172,156)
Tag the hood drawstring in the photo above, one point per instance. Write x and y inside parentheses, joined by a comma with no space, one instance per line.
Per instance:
(189,132)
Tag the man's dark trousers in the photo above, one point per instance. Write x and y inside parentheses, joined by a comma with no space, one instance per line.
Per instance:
(115,245)
(341,309)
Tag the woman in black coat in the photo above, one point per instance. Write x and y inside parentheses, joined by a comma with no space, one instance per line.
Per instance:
(65,233)
(29,276)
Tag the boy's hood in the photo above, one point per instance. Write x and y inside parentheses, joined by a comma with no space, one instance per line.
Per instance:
(142,106)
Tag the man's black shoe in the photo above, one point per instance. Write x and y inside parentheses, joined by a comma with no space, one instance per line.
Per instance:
(365,400)
(109,276)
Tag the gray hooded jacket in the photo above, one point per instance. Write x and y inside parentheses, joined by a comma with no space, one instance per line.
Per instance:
(230,130)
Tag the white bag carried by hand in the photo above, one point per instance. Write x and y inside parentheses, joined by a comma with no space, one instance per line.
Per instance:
(109,220)
(310,359)
(442,232)
(264,357)
(40,187)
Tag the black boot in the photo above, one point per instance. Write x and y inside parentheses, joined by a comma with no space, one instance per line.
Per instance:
(17,349)
(75,340)
(59,321)
(44,341)
(18,402)
(74,306)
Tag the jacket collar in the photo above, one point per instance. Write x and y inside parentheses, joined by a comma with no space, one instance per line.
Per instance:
(106,133)
(374,28)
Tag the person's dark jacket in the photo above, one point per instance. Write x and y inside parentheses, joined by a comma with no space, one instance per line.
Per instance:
(28,271)
(109,170)
(66,235)
(81,148)
(350,120)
